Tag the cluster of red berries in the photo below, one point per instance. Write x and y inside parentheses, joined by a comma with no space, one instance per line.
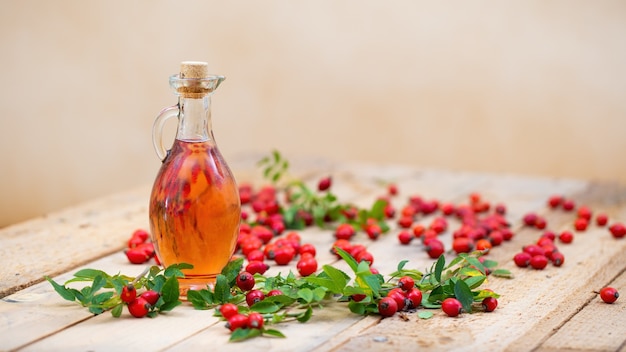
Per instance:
(544,251)
(404,297)
(139,305)
(258,243)
(482,226)
(140,249)
(584,216)
(246,283)
(236,320)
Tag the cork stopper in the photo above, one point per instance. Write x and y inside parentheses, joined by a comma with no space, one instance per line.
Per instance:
(194,80)
(194,69)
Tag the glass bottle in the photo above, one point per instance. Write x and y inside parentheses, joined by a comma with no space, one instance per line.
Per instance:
(194,206)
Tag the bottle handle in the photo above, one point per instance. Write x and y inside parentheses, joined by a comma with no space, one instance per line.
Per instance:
(157,130)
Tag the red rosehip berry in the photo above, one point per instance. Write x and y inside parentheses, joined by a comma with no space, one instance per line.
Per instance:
(489,304)
(609,294)
(434,248)
(358,297)
(365,256)
(540,223)
(462,245)
(399,296)
(151,297)
(139,307)
(284,255)
(568,205)
(344,232)
(237,321)
(373,231)
(137,255)
(254,296)
(257,267)
(406,283)
(530,219)
(307,266)
(245,281)
(387,307)
(581,224)
(618,230)
(324,184)
(602,219)
(129,293)
(534,249)
(392,189)
(274,292)
(307,248)
(558,258)
(539,261)
(451,306)
(414,297)
(584,212)
(227,310)
(522,259)
(405,221)
(566,237)
(405,237)
(554,201)
(255,320)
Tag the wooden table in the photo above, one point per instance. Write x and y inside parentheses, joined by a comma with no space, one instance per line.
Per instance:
(553,309)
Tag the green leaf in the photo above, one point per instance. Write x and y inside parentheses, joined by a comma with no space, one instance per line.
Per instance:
(90,273)
(167,306)
(325,282)
(96,310)
(102,297)
(441,263)
(244,334)
(348,259)
(357,307)
(475,281)
(67,294)
(197,299)
(425,314)
(306,294)
(282,300)
(232,269)
(170,291)
(117,310)
(476,263)
(373,281)
(273,332)
(265,307)
(502,273)
(401,265)
(306,316)
(463,293)
(98,283)
(222,289)
(176,270)
(339,278)
(319,293)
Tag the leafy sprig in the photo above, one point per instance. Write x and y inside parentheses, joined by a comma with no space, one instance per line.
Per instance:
(102,292)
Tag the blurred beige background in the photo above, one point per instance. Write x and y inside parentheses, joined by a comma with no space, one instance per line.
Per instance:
(524,87)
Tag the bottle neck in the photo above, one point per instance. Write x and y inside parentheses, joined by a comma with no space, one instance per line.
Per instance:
(194,119)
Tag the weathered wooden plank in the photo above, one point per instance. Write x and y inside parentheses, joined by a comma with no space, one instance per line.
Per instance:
(38,311)
(597,327)
(53,244)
